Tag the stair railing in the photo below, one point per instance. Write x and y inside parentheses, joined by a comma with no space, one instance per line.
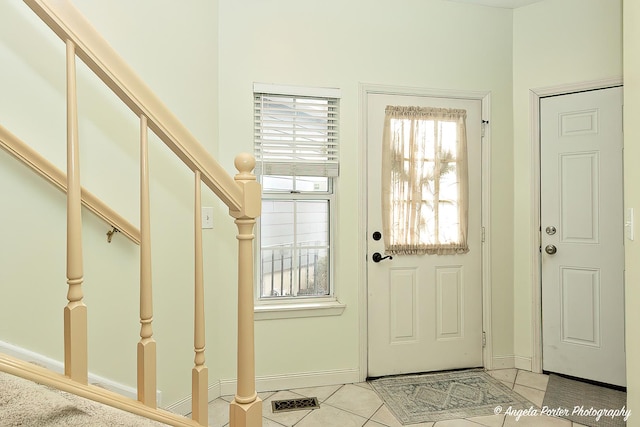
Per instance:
(47,170)
(242,195)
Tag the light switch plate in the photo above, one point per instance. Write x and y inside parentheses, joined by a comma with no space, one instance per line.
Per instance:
(628,223)
(207,217)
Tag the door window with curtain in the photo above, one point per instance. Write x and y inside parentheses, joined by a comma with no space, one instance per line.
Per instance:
(296,147)
(424,181)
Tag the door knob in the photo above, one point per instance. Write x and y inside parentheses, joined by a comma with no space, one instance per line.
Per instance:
(550,249)
(377,257)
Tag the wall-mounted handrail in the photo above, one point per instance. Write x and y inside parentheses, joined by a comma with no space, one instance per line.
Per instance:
(69,24)
(27,155)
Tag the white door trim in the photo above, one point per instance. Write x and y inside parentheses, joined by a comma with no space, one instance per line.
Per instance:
(485,98)
(534,138)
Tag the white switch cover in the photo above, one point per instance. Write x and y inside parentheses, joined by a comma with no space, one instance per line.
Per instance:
(207,217)
(628,224)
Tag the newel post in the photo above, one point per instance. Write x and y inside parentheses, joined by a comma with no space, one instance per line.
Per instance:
(246,408)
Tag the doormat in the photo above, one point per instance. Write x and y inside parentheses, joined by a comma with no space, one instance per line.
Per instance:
(585,403)
(446,395)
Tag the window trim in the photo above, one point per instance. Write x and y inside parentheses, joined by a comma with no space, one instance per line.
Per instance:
(299,307)
(322,306)
(320,92)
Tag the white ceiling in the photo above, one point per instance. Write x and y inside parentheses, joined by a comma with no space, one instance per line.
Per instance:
(509,4)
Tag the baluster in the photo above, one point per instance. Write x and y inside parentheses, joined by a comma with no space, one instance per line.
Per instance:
(146,345)
(246,408)
(199,373)
(75,313)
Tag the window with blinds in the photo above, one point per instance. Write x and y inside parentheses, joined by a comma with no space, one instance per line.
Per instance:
(296,149)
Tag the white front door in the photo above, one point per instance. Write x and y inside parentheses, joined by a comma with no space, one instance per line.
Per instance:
(582,235)
(424,311)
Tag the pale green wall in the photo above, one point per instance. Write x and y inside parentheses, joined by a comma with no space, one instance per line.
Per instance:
(426,44)
(555,42)
(632,199)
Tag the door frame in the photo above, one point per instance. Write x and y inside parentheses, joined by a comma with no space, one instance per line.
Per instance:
(535,96)
(366,89)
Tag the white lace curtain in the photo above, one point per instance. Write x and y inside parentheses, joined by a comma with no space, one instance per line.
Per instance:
(424,181)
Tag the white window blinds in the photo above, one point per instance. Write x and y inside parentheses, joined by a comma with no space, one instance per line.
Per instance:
(295,135)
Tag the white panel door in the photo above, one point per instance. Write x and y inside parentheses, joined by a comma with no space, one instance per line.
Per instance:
(582,235)
(424,311)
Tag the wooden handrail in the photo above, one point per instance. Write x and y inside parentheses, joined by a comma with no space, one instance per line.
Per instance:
(27,155)
(69,24)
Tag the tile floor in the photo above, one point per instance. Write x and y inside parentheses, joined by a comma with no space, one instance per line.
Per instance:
(358,405)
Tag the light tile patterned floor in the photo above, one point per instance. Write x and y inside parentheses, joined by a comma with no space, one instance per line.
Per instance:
(357,405)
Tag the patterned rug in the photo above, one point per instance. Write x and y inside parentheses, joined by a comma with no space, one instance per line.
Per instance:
(446,395)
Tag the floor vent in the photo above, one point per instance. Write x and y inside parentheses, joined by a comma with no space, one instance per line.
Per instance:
(294,404)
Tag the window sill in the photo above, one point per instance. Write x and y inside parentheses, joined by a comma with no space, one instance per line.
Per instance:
(298,309)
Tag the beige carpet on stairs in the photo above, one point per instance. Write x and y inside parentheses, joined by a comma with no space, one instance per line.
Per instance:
(27,404)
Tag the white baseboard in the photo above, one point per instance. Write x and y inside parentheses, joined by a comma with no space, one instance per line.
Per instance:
(503,362)
(227,387)
(184,405)
(57,366)
(297,380)
(523,363)
(511,361)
